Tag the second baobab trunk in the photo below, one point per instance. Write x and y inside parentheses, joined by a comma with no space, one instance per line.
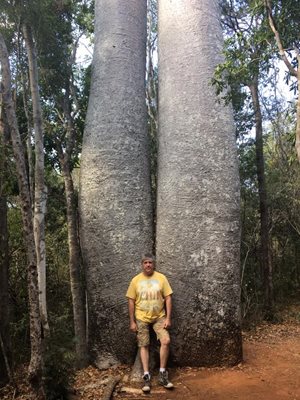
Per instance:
(198,223)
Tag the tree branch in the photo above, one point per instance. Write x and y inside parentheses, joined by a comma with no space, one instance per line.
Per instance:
(282,53)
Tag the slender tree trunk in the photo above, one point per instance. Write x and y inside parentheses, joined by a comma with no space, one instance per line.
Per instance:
(36,360)
(65,152)
(4,260)
(115,195)
(78,294)
(4,303)
(297,144)
(263,202)
(40,192)
(28,140)
(293,71)
(198,221)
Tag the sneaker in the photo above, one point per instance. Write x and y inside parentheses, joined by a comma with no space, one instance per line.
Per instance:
(164,381)
(146,384)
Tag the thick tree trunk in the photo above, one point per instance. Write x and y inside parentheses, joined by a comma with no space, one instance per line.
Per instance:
(265,258)
(115,198)
(40,192)
(36,360)
(198,221)
(4,259)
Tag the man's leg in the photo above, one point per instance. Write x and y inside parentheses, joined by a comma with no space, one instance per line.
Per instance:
(143,339)
(164,338)
(164,351)
(144,351)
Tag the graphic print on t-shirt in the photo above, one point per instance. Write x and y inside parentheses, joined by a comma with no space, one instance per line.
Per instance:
(150,295)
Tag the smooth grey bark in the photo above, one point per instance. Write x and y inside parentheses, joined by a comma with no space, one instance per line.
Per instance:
(40,190)
(30,160)
(198,222)
(35,368)
(115,198)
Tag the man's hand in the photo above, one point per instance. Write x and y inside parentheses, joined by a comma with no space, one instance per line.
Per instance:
(168,301)
(133,327)
(167,323)
(131,307)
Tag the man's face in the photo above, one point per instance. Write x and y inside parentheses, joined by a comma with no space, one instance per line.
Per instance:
(148,267)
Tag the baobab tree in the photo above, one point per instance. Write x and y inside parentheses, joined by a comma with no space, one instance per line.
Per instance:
(198,230)
(115,198)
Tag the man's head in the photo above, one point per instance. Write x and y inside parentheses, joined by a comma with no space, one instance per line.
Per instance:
(148,264)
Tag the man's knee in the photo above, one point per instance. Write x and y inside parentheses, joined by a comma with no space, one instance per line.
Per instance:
(165,341)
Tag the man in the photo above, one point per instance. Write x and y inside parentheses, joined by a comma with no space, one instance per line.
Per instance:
(150,304)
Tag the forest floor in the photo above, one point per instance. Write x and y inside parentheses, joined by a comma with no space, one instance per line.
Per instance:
(270,371)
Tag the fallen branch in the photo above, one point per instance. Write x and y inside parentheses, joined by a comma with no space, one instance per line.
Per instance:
(109,388)
(126,389)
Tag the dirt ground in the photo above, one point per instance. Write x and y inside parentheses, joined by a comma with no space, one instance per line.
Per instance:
(270,371)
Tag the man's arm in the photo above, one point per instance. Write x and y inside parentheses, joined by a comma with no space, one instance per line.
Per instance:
(168,302)
(131,308)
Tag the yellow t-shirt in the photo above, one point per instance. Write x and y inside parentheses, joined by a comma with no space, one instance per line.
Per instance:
(149,293)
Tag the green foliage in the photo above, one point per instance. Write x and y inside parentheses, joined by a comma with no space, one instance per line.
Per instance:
(84,16)
(249,54)
(284,187)
(19,325)
(59,362)
(283,183)
(58,286)
(64,85)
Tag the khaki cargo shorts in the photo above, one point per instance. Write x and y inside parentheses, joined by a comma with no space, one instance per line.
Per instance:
(143,336)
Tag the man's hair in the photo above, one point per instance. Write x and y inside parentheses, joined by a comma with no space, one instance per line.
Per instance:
(148,256)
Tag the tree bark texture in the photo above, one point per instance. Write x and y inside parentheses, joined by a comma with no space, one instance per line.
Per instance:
(198,221)
(36,364)
(40,191)
(265,256)
(115,196)
(4,259)
(29,138)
